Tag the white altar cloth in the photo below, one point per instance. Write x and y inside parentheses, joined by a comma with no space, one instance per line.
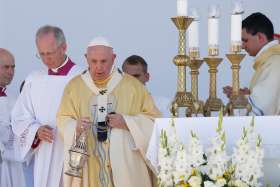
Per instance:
(267,126)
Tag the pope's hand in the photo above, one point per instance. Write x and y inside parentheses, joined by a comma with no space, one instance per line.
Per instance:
(82,125)
(116,121)
(45,133)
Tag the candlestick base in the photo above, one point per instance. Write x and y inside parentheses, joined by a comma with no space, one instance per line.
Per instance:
(182,99)
(238,102)
(213,105)
(198,108)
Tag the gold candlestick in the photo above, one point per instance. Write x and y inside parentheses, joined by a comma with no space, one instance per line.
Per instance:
(237,101)
(195,64)
(213,103)
(182,98)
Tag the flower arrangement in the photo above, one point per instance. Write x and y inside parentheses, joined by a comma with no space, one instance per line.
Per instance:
(190,166)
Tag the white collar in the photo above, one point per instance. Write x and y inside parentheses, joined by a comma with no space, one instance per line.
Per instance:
(267,46)
(116,77)
(56,69)
(102,93)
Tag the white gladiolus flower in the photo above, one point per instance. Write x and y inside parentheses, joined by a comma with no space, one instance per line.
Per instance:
(221,182)
(239,183)
(180,166)
(195,181)
(217,157)
(195,151)
(248,158)
(209,184)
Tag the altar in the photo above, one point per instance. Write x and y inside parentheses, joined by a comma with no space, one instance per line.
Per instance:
(267,126)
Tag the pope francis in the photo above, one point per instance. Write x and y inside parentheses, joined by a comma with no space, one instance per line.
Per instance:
(117,112)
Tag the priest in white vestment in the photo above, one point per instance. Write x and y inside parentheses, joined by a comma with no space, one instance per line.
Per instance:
(34,114)
(118,113)
(11,171)
(258,41)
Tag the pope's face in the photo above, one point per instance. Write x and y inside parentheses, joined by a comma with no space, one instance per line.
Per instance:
(51,54)
(7,69)
(100,60)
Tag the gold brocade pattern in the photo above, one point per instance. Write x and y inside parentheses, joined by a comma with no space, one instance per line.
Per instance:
(275,50)
(260,61)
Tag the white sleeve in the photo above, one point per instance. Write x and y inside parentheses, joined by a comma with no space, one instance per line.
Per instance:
(23,121)
(4,120)
(4,132)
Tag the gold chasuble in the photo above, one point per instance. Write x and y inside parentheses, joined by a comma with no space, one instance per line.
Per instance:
(120,160)
(263,61)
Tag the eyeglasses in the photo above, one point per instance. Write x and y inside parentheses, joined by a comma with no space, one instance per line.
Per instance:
(47,54)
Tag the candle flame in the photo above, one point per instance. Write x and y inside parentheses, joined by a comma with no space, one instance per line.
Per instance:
(194,14)
(237,7)
(214,11)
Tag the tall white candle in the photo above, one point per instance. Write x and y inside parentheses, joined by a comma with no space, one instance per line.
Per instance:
(236,22)
(213,31)
(213,26)
(194,34)
(182,6)
(236,28)
(193,31)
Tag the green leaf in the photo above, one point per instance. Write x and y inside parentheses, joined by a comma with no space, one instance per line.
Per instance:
(193,134)
(253,121)
(244,135)
(224,137)
(172,122)
(220,122)
(259,141)
(163,139)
